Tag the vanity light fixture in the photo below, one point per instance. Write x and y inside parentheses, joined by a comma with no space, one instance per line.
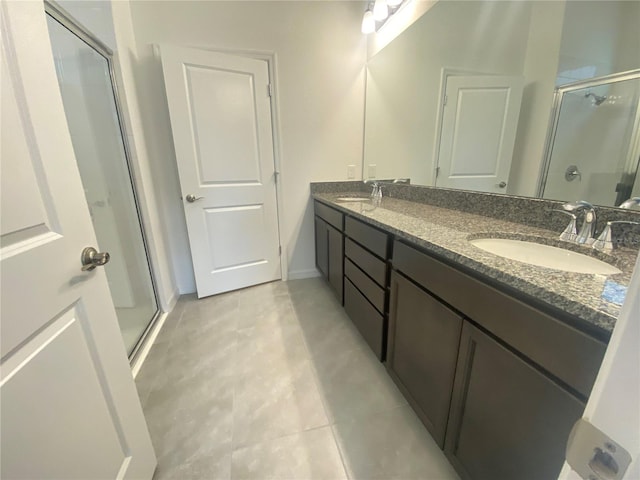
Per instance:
(380,10)
(378,13)
(368,22)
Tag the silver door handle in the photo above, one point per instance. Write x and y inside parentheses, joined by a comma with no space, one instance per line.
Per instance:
(91,259)
(192,198)
(502,185)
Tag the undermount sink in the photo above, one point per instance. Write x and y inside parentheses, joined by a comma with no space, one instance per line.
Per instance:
(353,199)
(544,256)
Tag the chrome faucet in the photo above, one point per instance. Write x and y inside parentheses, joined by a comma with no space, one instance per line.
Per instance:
(570,233)
(588,222)
(605,240)
(376,193)
(632,203)
(375,186)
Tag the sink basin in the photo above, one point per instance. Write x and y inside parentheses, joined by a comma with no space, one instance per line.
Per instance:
(353,199)
(544,256)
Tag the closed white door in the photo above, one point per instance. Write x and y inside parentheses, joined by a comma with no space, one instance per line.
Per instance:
(69,406)
(221,121)
(479,124)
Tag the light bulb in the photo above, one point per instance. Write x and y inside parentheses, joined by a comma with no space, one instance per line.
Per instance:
(368,22)
(380,10)
(394,3)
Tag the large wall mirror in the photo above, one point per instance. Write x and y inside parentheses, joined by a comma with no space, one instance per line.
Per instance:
(525,98)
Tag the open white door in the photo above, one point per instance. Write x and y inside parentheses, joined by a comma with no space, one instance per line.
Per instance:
(221,120)
(69,405)
(479,123)
(614,404)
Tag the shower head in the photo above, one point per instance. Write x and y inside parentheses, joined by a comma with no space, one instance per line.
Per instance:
(597,99)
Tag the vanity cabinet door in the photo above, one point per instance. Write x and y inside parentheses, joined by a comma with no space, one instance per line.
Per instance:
(322,247)
(422,351)
(508,420)
(330,255)
(336,261)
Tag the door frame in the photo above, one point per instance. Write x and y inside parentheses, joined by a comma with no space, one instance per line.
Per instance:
(271,59)
(59,14)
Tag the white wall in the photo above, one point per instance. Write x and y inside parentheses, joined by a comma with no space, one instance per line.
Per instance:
(319,52)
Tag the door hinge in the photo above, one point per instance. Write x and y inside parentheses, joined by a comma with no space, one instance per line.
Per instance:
(269,90)
(445,99)
(279,249)
(437,171)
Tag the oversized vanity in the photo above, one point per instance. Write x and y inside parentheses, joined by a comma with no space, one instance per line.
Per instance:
(497,357)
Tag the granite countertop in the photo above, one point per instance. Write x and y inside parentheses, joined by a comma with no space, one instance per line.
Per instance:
(592,301)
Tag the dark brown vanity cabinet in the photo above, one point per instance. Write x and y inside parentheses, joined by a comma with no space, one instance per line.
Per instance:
(422,352)
(508,420)
(521,376)
(365,292)
(330,246)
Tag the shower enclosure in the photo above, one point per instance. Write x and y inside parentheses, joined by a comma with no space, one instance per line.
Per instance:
(594,141)
(85,76)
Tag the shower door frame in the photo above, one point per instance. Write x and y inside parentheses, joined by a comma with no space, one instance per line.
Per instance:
(558,95)
(76,28)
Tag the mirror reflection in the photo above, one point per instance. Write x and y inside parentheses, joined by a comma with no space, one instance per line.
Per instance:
(525,98)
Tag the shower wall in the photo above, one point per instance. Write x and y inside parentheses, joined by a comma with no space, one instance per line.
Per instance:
(600,52)
(595,138)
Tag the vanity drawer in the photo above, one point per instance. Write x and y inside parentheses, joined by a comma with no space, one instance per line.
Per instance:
(329,215)
(373,292)
(370,237)
(568,354)
(369,263)
(367,319)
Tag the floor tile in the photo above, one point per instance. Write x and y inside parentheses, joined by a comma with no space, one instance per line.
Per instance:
(174,414)
(270,350)
(266,311)
(391,445)
(203,358)
(274,406)
(353,384)
(307,455)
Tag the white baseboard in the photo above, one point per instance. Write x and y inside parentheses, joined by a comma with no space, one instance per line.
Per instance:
(170,302)
(301,274)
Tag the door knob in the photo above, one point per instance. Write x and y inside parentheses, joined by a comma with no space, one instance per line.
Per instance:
(91,259)
(502,184)
(192,198)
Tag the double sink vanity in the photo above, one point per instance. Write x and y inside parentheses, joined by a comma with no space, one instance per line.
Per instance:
(496,356)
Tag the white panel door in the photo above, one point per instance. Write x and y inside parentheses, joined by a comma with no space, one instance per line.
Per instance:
(221,121)
(69,406)
(479,123)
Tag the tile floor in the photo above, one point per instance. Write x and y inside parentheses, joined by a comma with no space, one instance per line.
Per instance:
(274,382)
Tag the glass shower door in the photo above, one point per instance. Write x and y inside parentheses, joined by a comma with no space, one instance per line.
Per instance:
(596,142)
(90,107)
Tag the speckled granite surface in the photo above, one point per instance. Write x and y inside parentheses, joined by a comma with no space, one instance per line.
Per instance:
(592,302)
(530,211)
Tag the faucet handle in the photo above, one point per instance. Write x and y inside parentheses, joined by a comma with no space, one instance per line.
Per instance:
(604,242)
(577,206)
(631,203)
(570,233)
